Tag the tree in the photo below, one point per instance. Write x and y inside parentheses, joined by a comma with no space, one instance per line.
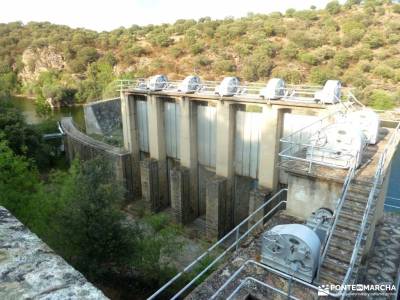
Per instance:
(92,230)
(18,183)
(333,7)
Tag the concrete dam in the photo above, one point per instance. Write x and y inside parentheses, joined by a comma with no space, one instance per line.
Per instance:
(235,158)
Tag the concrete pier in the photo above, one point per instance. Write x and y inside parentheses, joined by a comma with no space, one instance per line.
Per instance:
(158,152)
(216,207)
(180,195)
(271,131)
(225,154)
(130,135)
(188,146)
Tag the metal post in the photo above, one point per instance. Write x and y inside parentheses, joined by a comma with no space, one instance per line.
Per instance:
(237,238)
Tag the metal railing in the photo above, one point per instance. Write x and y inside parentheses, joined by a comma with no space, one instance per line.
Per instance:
(234,235)
(298,146)
(291,92)
(336,213)
(392,206)
(380,172)
(290,278)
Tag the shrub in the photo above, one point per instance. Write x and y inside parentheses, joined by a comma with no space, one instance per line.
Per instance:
(307,15)
(160,39)
(224,65)
(306,39)
(309,58)
(138,50)
(325,53)
(256,68)
(176,51)
(396,8)
(203,61)
(374,40)
(342,59)
(319,75)
(356,78)
(380,99)
(363,53)
(290,51)
(384,72)
(197,48)
(333,7)
(290,12)
(365,66)
(290,75)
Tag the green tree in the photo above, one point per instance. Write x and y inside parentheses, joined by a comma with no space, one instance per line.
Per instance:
(333,7)
(18,182)
(92,230)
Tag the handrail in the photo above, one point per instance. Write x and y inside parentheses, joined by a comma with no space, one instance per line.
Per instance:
(378,179)
(272,270)
(219,242)
(338,208)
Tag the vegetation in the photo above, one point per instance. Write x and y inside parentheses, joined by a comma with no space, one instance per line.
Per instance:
(303,45)
(78,212)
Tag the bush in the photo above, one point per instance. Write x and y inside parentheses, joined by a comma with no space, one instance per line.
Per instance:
(197,48)
(374,40)
(203,61)
(384,72)
(177,51)
(306,39)
(356,78)
(319,75)
(224,66)
(160,39)
(290,51)
(325,53)
(290,75)
(380,99)
(342,59)
(363,53)
(290,12)
(255,68)
(333,7)
(396,8)
(309,58)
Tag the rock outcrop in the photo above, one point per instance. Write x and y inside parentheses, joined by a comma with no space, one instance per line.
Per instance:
(39,60)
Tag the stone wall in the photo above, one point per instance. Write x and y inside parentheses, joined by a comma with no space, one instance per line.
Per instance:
(29,269)
(77,144)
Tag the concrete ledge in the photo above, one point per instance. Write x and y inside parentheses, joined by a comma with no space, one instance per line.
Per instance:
(29,269)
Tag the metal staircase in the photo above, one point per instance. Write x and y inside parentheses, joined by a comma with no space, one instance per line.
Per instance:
(339,251)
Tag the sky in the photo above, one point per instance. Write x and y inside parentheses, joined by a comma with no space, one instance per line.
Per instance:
(108,15)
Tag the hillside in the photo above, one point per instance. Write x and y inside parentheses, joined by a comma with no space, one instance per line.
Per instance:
(357,43)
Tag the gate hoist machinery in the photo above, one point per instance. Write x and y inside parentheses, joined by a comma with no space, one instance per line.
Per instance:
(339,144)
(295,249)
(368,121)
(229,86)
(190,84)
(157,83)
(330,93)
(275,89)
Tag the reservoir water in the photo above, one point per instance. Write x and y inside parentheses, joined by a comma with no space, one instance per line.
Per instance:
(28,109)
(27,106)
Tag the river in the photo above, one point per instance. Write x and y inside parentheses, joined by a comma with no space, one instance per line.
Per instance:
(27,107)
